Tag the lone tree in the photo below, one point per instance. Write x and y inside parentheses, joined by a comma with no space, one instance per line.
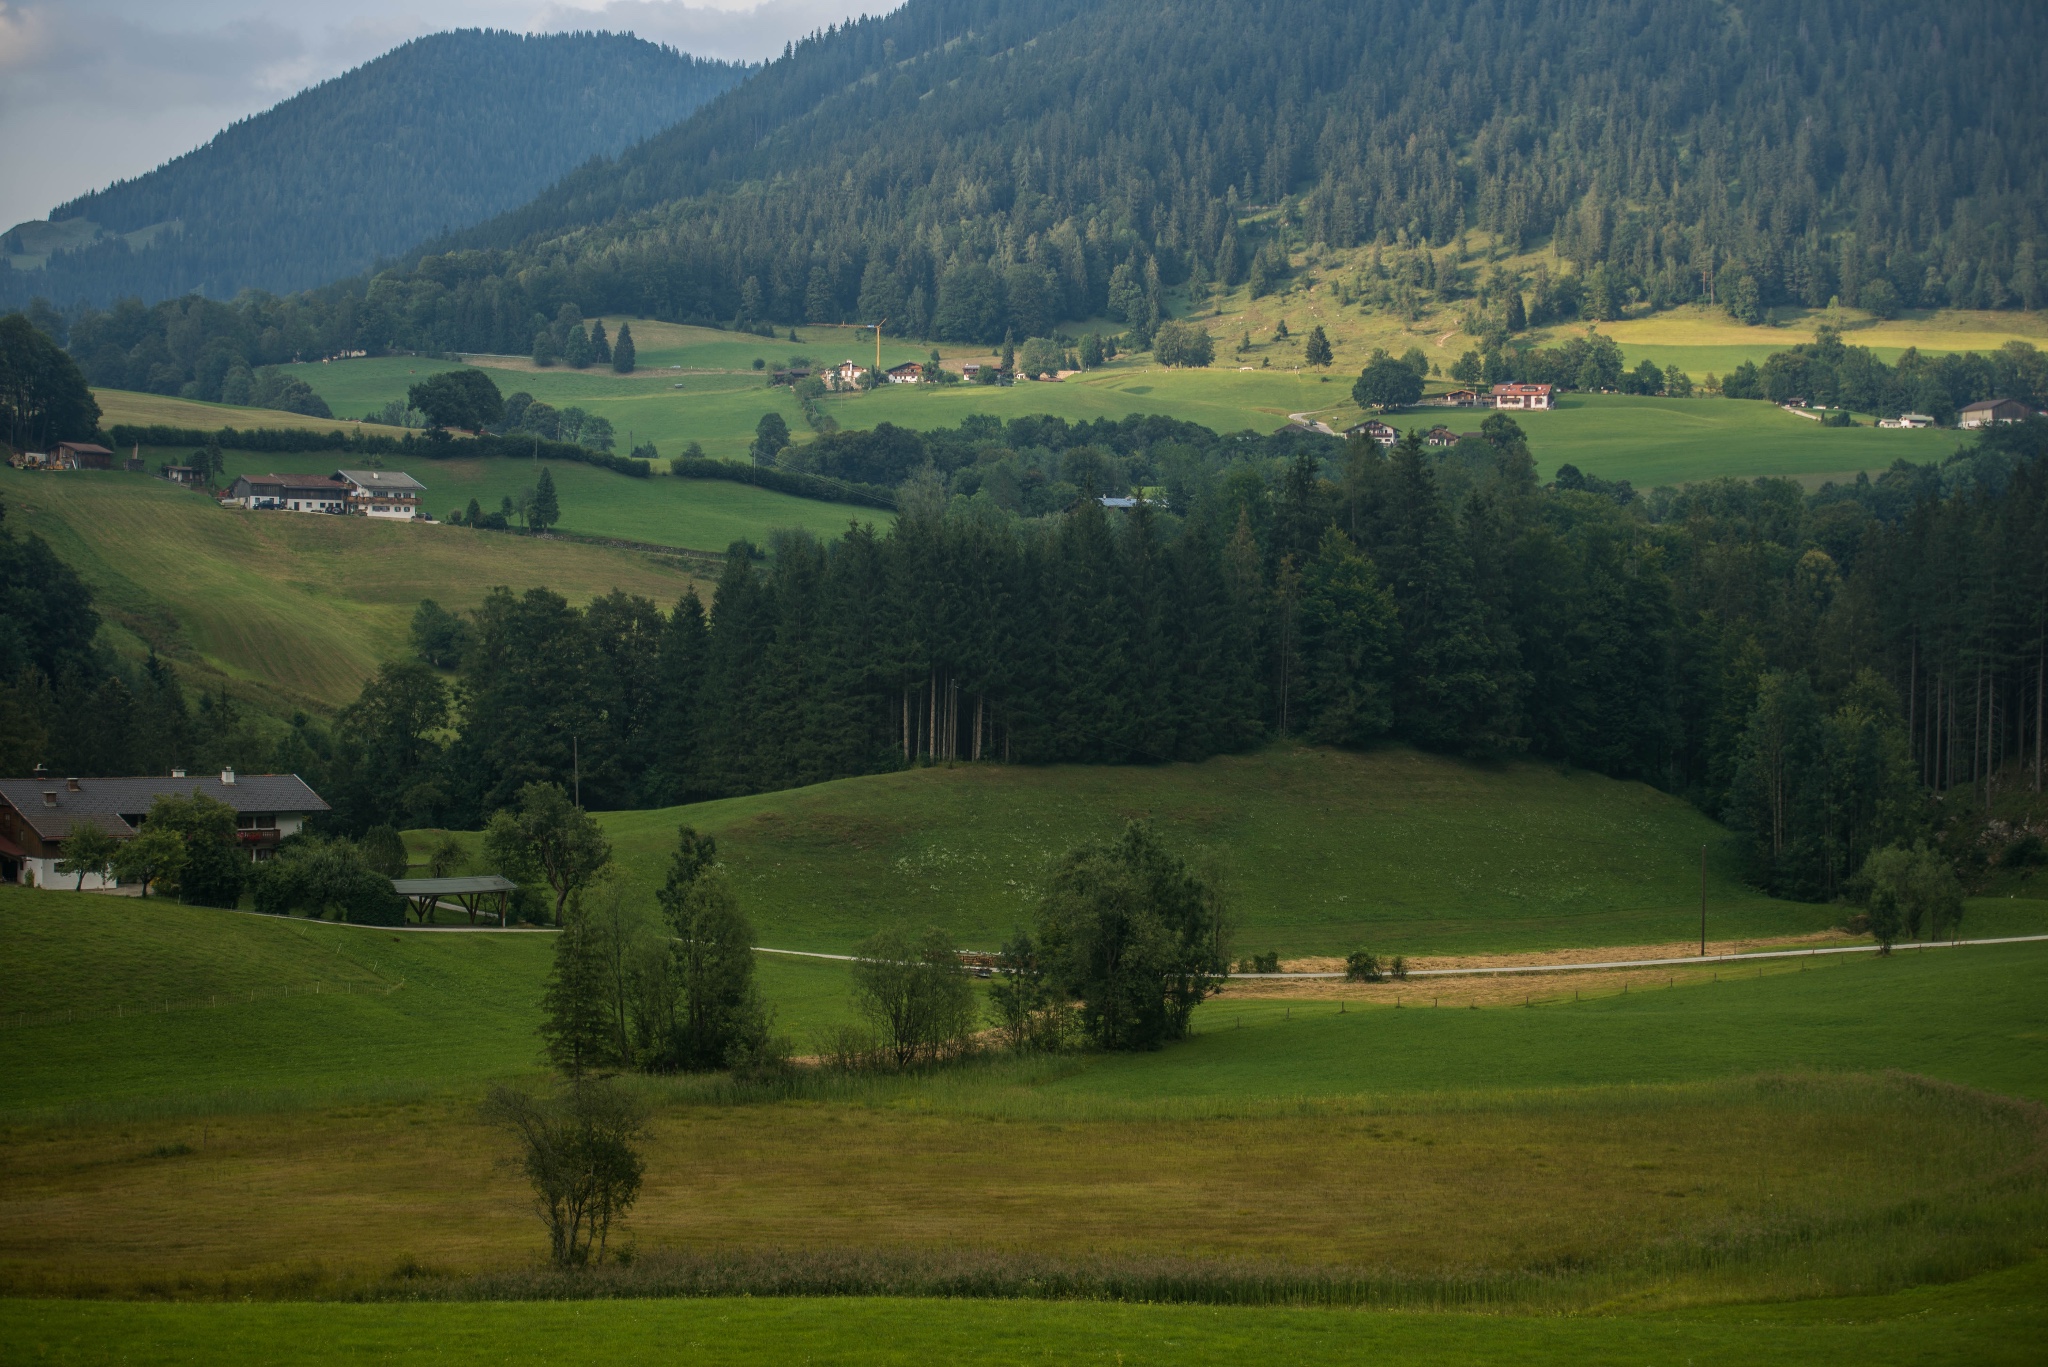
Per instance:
(771,435)
(87,849)
(1131,931)
(719,1020)
(1909,888)
(1386,383)
(548,836)
(545,510)
(623,358)
(1316,351)
(915,993)
(580,1157)
(467,399)
(1180,343)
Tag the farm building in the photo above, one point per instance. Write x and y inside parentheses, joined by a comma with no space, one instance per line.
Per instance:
(1522,396)
(1460,398)
(1907,420)
(1383,433)
(289,493)
(80,455)
(1988,412)
(37,814)
(1444,437)
(382,493)
(910,372)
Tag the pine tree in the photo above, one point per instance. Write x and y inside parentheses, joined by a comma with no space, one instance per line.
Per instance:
(600,349)
(1316,351)
(576,1027)
(545,510)
(1348,630)
(576,347)
(623,358)
(1518,319)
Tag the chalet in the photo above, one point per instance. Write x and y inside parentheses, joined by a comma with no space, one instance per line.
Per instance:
(80,455)
(970,369)
(182,474)
(1372,428)
(1907,420)
(910,372)
(289,493)
(1444,437)
(1988,412)
(382,493)
(38,813)
(1524,396)
(845,375)
(1460,398)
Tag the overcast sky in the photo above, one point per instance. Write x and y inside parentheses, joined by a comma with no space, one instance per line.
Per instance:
(92,91)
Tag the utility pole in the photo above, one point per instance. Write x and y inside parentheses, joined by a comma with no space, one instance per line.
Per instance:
(1703,901)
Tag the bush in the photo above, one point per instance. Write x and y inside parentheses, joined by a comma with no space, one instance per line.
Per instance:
(1363,966)
(915,995)
(579,1154)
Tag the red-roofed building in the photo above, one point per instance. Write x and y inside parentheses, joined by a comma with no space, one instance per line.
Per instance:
(1522,396)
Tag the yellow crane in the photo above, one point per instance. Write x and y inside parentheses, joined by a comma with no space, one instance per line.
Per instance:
(877,326)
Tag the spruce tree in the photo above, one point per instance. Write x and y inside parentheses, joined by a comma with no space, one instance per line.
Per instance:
(721,1019)
(1316,351)
(1518,319)
(623,358)
(545,510)
(1348,630)
(600,348)
(576,348)
(576,1027)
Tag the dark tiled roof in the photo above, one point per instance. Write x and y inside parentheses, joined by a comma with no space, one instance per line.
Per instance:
(452,887)
(382,481)
(105,800)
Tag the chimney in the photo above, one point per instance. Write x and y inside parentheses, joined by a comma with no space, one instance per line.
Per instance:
(49,797)
(71,785)
(227,776)
(177,773)
(41,771)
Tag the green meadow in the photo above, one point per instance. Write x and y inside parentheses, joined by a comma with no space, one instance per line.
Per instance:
(1322,851)
(692,514)
(295,610)
(1993,1319)
(1645,440)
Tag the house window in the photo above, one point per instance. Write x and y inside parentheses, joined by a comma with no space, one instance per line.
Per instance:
(255,821)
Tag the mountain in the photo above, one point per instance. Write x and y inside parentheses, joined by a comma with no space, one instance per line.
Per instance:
(969,168)
(439,134)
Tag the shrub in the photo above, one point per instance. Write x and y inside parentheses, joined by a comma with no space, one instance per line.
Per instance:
(1363,966)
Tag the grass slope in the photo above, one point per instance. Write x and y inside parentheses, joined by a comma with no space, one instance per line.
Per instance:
(297,610)
(695,514)
(1995,1319)
(1322,850)
(128,406)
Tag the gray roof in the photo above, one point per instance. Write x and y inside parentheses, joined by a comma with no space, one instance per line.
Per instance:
(452,887)
(110,802)
(383,481)
(304,485)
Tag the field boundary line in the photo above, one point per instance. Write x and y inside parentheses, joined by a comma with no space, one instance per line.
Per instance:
(1660,963)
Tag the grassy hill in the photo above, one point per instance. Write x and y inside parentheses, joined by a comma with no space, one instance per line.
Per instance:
(145,410)
(296,610)
(1322,851)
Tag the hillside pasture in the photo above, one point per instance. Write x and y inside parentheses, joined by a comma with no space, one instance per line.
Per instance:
(1322,851)
(693,514)
(145,410)
(292,609)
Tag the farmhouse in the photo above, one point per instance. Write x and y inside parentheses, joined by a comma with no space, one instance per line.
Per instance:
(1987,412)
(1907,420)
(1460,398)
(382,493)
(1525,396)
(1383,433)
(289,493)
(845,375)
(1445,437)
(910,372)
(37,814)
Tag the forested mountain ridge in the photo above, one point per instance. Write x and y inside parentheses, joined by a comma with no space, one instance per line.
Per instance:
(435,135)
(973,169)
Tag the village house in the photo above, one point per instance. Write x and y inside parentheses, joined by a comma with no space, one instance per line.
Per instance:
(1907,420)
(182,474)
(1383,433)
(382,493)
(38,813)
(845,375)
(1460,398)
(1442,436)
(786,377)
(910,372)
(1988,412)
(289,493)
(1521,396)
(970,370)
